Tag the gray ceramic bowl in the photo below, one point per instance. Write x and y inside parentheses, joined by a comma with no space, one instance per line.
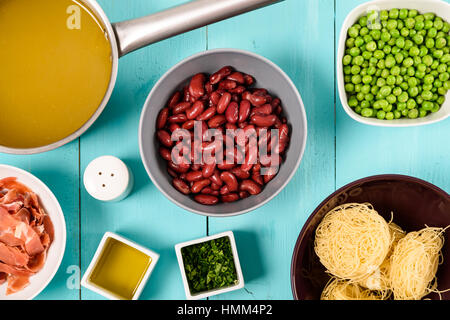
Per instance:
(268,76)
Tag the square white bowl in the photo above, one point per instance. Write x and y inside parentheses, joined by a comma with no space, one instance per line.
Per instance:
(440,8)
(92,286)
(202,295)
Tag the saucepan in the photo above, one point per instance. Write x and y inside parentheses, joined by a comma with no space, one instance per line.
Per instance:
(127,36)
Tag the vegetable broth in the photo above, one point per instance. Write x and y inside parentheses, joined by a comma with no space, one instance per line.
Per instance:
(120,269)
(56,64)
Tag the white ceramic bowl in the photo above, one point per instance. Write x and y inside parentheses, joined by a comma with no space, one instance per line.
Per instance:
(440,8)
(85,282)
(202,295)
(56,252)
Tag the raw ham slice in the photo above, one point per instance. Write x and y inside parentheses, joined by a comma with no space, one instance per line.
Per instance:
(26,233)
(17,283)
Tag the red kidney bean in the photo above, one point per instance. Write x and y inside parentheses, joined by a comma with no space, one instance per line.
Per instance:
(209,191)
(226,166)
(239,173)
(188,125)
(206,199)
(207,114)
(250,186)
(232,197)
(208,169)
(237,77)
(257,100)
(283,139)
(165,138)
(230,180)
(178,118)
(238,90)
(244,110)
(181,107)
(219,75)
(270,174)
(179,168)
(224,190)
(173,127)
(172,173)
(257,177)
(232,112)
(266,109)
(195,110)
(248,80)
(227,85)
(217,121)
(263,121)
(193,176)
(230,126)
(215,187)
(174,99)
(196,88)
(223,102)
(162,118)
(199,185)
(181,186)
(165,154)
(215,178)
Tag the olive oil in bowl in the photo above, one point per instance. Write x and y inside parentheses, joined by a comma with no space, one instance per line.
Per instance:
(120,268)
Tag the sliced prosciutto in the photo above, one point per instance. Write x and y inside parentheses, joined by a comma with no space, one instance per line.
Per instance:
(26,233)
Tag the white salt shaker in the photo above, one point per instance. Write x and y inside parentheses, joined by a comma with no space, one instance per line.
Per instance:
(108,178)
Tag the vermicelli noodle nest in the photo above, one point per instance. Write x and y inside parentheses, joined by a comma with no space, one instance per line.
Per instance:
(337,289)
(352,241)
(414,263)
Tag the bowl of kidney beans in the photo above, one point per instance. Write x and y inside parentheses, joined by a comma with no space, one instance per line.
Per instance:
(222,132)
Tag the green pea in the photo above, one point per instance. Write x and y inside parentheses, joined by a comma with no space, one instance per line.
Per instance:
(385,36)
(349,87)
(419,25)
(445,58)
(356,79)
(428,79)
(397,114)
(403,97)
(438,23)
(428,24)
(432,33)
(359,41)
(395,70)
(367,55)
(441,100)
(378,54)
(435,108)
(429,16)
(391,99)
(408,45)
(420,18)
(364,31)
(427,87)
(380,64)
(404,32)
(427,105)
(389,61)
(397,91)
(353,32)
(385,91)
(391,80)
(365,104)
(428,60)
(411,71)
(365,88)
(399,79)
(347,78)
(392,24)
(400,42)
(403,86)
(347,60)
(413,114)
(367,79)
(369,97)
(355,52)
(441,43)
(429,43)
(381,114)
(427,95)
(410,23)
(408,62)
(367,112)
(403,14)
(413,91)
(444,76)
(358,60)
(363,21)
(418,39)
(405,112)
(355,69)
(353,102)
(422,113)
(389,116)
(401,106)
(414,51)
(413,13)
(423,51)
(384,15)
(381,82)
(411,104)
(360,96)
(394,33)
(371,46)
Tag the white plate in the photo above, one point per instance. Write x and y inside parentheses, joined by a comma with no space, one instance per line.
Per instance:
(56,252)
(440,8)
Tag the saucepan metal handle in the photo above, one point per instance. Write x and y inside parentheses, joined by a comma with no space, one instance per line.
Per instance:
(137,33)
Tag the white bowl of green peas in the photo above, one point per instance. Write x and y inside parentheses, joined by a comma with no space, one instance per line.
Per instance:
(394,62)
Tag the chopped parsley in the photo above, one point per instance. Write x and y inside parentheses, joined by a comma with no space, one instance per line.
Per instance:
(209,265)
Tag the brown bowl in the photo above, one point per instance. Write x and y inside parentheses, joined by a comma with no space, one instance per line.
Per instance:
(414,203)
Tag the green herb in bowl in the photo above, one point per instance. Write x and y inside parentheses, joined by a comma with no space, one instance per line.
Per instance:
(396,64)
(209,265)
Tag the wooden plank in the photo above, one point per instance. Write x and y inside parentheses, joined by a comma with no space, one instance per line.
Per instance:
(58,169)
(146,217)
(299,37)
(363,150)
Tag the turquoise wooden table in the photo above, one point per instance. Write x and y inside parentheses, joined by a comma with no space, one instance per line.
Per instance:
(298,35)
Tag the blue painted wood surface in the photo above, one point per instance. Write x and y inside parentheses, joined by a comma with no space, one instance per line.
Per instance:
(300,36)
